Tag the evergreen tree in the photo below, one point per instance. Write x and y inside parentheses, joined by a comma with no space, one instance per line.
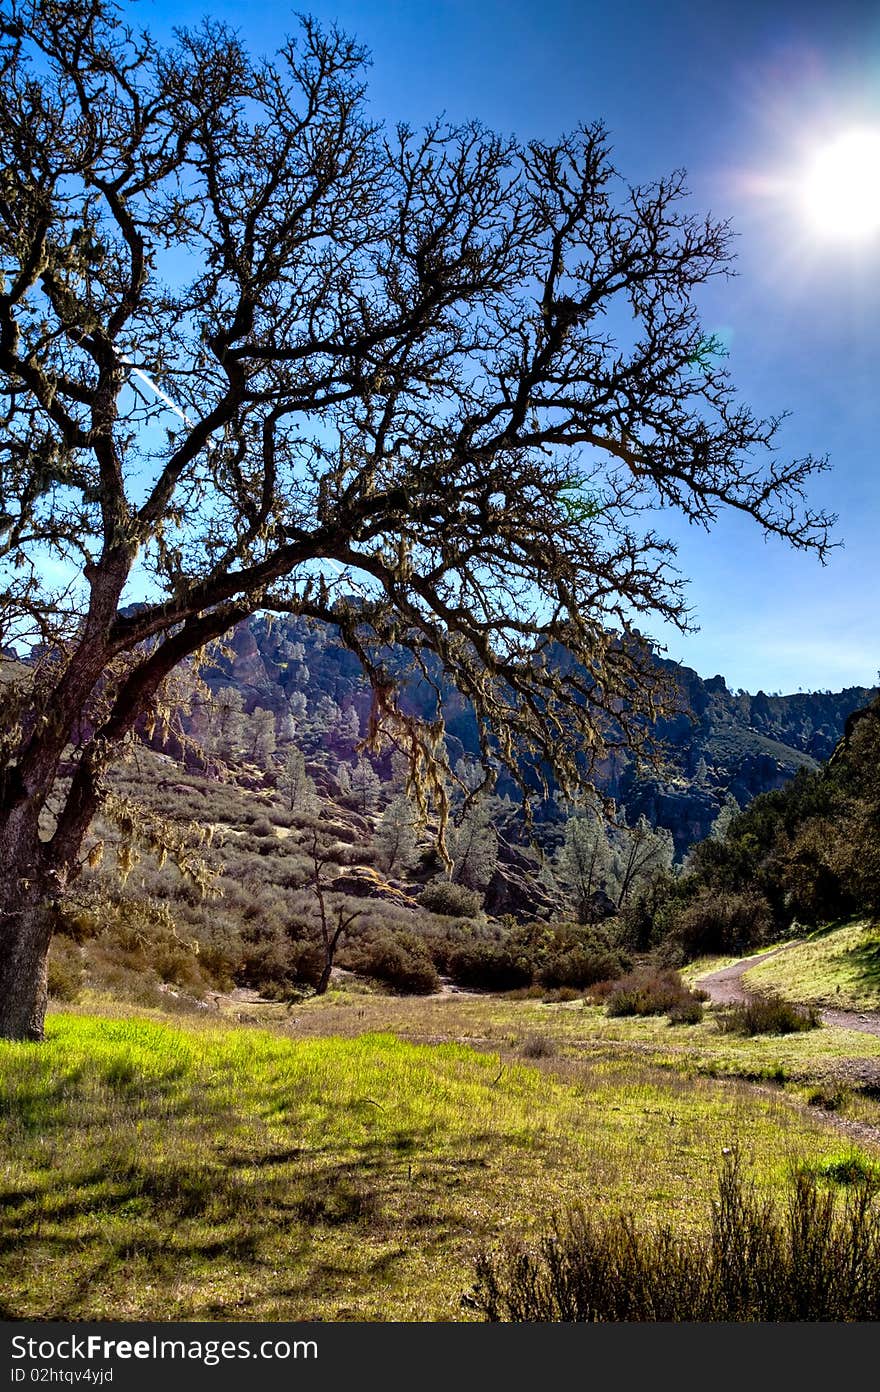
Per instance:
(261,736)
(227,722)
(285,729)
(296,785)
(730,808)
(348,727)
(366,786)
(325,716)
(642,851)
(299,709)
(585,863)
(396,839)
(473,846)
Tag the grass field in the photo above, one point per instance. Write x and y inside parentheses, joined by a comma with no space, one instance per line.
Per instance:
(190,1171)
(837,966)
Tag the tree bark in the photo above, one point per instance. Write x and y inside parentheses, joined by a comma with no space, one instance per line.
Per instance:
(25,934)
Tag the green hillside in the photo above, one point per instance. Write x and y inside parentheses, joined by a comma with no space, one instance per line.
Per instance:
(836,966)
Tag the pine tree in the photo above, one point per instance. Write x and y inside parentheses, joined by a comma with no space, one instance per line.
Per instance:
(585,863)
(473,845)
(299,709)
(396,839)
(348,727)
(261,736)
(296,785)
(325,716)
(730,808)
(366,786)
(227,722)
(642,851)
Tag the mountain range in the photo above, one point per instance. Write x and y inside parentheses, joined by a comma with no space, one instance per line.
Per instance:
(722,744)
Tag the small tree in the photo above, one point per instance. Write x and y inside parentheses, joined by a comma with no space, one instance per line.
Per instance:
(261,736)
(396,838)
(585,864)
(334,920)
(286,727)
(325,716)
(348,727)
(297,786)
(227,724)
(365,785)
(299,709)
(729,809)
(473,846)
(641,853)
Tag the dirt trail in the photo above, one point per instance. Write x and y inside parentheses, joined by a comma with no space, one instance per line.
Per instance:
(726,987)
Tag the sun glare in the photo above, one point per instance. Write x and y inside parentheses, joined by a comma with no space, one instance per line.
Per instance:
(841,187)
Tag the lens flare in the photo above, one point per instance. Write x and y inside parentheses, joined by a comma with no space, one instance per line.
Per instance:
(840,191)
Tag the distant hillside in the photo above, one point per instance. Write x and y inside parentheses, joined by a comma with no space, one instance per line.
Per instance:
(305,834)
(724,743)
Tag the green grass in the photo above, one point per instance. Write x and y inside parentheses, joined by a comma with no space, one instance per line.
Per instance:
(838,966)
(150,1171)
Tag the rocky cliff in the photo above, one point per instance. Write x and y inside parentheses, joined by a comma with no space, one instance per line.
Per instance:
(722,743)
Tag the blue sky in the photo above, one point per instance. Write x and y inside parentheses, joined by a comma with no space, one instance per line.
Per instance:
(739,94)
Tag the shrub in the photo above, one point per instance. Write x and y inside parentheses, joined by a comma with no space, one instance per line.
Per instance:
(648,991)
(454,900)
(686,1012)
(490,966)
(304,962)
(850,1168)
(66,974)
(647,913)
(538,1046)
(443,937)
(720,923)
(261,826)
(582,966)
(400,960)
(830,1095)
(817,1260)
(767,1015)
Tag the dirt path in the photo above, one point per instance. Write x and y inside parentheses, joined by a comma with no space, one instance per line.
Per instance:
(726,987)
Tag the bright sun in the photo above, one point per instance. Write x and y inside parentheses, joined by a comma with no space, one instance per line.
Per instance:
(840,188)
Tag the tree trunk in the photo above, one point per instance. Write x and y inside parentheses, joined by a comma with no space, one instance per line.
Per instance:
(324,978)
(25,934)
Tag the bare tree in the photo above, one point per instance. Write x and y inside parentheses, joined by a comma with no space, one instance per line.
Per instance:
(253,345)
(333,929)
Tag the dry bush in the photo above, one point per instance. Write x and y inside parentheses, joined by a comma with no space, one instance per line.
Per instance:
(767,1014)
(816,1259)
(652,991)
